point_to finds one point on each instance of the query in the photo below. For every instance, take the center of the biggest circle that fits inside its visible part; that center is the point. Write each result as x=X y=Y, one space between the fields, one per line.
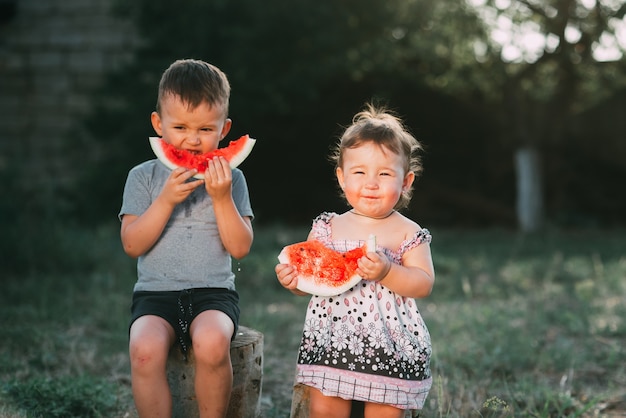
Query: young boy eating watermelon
x=368 y=343
x=183 y=232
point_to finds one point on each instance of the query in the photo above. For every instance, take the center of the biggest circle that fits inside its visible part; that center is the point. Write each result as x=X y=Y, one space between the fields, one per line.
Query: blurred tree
x=299 y=66
x=534 y=65
x=293 y=65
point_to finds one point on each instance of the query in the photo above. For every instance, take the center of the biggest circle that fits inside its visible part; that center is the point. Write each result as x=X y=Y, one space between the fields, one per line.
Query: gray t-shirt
x=189 y=253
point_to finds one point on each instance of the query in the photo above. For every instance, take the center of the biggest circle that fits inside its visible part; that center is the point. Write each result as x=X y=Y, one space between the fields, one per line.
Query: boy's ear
x=156 y=123
x=228 y=123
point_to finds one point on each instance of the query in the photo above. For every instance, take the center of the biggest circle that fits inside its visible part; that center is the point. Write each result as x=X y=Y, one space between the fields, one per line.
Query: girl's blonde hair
x=380 y=126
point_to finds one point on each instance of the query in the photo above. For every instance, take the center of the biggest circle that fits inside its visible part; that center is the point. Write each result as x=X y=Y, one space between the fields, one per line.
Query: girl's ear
x=155 y=118
x=339 y=174
x=409 y=178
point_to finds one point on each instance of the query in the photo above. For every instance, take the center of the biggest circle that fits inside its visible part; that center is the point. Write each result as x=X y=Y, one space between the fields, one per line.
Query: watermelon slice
x=172 y=157
x=323 y=271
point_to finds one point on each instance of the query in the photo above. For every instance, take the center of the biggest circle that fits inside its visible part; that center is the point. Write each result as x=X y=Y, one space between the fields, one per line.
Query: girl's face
x=197 y=130
x=372 y=179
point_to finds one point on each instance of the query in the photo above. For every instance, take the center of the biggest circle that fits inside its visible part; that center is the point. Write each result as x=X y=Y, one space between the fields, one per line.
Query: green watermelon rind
x=309 y=284
x=157 y=144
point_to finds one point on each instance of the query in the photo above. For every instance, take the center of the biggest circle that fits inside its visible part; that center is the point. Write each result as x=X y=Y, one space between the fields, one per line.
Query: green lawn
x=522 y=326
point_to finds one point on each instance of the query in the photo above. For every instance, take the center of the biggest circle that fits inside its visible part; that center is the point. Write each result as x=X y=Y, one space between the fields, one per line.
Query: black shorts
x=179 y=308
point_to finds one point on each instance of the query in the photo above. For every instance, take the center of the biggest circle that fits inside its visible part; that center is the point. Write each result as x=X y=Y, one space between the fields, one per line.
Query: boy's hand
x=218 y=178
x=177 y=187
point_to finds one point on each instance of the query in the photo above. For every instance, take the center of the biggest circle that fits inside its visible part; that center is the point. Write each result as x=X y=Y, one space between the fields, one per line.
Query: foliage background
x=300 y=70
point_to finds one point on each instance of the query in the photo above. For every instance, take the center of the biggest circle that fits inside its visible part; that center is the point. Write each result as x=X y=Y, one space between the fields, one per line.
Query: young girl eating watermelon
x=183 y=232
x=370 y=343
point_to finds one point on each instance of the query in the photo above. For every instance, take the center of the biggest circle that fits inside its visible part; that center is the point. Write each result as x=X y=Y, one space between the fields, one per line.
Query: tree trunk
x=529 y=190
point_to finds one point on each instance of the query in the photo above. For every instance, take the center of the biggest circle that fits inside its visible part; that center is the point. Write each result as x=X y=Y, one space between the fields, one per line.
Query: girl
x=370 y=343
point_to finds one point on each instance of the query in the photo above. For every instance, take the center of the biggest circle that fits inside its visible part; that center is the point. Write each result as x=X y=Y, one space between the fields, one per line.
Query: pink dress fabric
x=368 y=343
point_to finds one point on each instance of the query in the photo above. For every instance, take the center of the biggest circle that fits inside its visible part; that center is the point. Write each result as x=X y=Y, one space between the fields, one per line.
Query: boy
x=184 y=232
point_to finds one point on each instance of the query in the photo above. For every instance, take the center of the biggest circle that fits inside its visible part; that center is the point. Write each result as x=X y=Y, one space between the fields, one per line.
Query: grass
x=522 y=325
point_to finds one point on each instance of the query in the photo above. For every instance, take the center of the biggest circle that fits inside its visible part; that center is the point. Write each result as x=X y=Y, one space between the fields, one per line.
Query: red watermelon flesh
x=235 y=152
x=321 y=270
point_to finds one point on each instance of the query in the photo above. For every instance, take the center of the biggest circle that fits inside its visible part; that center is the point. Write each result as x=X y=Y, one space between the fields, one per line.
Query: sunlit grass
x=522 y=325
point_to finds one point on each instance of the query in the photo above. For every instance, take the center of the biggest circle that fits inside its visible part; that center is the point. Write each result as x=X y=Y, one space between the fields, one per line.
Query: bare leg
x=150 y=340
x=322 y=406
x=211 y=332
x=377 y=410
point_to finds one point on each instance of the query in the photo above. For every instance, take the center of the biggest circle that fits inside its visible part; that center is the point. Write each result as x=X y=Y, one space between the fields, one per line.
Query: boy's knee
x=214 y=349
x=150 y=341
x=144 y=354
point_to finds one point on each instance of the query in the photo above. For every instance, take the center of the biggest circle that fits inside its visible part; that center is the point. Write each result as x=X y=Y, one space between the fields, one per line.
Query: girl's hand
x=288 y=278
x=373 y=266
x=218 y=178
x=177 y=187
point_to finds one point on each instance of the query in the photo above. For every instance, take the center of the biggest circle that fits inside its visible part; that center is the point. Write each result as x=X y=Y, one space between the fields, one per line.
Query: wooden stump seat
x=246 y=353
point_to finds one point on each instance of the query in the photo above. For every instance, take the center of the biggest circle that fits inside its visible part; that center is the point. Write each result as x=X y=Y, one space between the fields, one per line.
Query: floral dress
x=368 y=343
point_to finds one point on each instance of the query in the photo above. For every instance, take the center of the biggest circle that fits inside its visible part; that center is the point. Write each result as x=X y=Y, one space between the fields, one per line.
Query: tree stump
x=246 y=354
x=301 y=398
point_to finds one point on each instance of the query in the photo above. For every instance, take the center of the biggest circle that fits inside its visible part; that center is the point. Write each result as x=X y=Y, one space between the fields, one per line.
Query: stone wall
x=53 y=55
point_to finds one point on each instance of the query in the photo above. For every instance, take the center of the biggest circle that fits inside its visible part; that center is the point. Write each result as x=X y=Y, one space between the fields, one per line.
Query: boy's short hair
x=195 y=81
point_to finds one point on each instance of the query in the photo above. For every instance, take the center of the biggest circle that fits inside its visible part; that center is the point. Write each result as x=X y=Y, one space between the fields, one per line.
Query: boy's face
x=197 y=130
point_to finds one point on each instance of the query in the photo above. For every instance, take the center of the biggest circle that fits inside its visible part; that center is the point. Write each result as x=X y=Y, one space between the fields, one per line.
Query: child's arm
x=414 y=278
x=139 y=233
x=235 y=231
